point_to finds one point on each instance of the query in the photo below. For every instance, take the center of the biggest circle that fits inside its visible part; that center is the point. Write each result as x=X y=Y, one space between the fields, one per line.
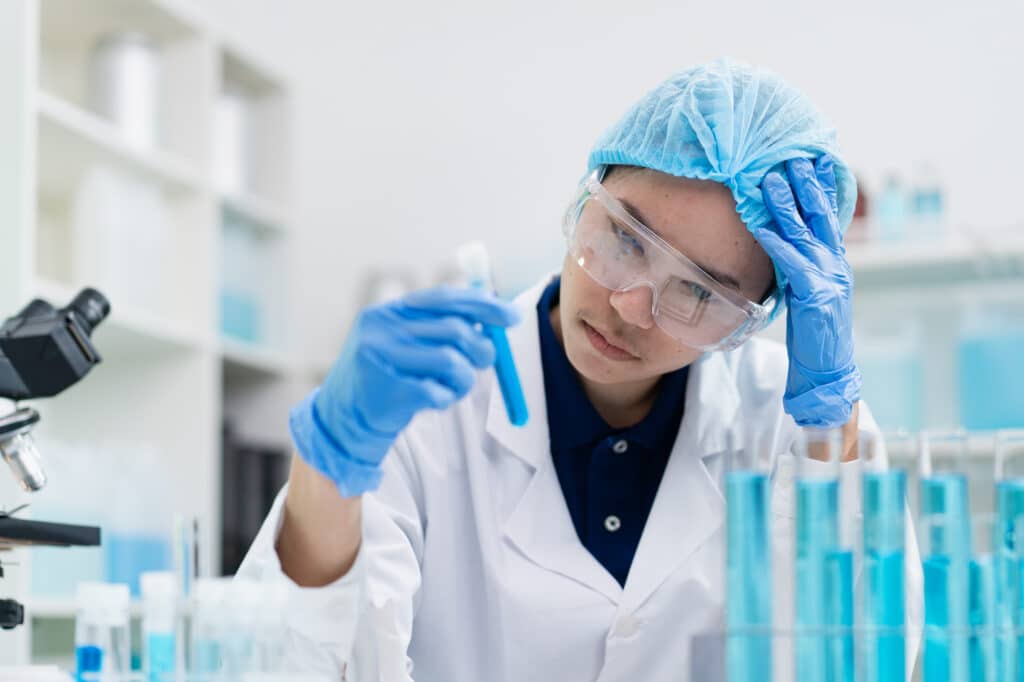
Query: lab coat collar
x=688 y=508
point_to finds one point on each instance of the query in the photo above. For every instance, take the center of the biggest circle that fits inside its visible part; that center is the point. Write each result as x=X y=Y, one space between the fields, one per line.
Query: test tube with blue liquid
x=748 y=570
x=1008 y=552
x=945 y=525
x=159 y=625
x=883 y=600
x=824 y=564
x=983 y=603
x=475 y=265
x=102 y=638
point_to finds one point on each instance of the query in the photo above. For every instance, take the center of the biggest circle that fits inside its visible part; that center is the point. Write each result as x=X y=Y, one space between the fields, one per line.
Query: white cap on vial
x=104 y=603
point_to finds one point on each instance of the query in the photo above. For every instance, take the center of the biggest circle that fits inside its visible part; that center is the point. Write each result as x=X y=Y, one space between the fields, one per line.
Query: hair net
x=731 y=123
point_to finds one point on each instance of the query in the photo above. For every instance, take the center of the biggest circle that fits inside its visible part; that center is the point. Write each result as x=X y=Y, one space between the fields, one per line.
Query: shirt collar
x=572 y=420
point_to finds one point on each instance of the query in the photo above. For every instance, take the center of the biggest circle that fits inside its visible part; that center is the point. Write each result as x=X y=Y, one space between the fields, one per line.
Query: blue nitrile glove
x=416 y=353
x=806 y=244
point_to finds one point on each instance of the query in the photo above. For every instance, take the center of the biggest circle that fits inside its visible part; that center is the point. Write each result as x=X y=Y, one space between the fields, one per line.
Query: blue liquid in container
x=817 y=539
x=1009 y=552
x=240 y=316
x=937 y=665
x=160 y=657
x=893 y=385
x=991 y=380
x=88 y=660
x=840 y=616
x=885 y=647
x=947 y=544
x=981 y=610
x=884 y=599
x=206 y=657
x=749 y=582
x=130 y=555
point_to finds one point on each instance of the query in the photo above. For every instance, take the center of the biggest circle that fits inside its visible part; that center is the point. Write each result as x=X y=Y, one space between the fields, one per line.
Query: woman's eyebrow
x=720 y=277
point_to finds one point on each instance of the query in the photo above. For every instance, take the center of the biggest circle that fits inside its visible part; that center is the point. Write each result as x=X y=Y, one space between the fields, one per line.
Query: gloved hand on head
x=805 y=242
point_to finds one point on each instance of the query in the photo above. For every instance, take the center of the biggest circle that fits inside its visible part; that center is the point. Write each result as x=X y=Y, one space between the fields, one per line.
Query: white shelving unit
x=916 y=301
x=170 y=374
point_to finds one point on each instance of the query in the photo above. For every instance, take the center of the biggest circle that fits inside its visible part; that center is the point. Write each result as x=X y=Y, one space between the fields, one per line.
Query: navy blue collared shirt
x=609 y=476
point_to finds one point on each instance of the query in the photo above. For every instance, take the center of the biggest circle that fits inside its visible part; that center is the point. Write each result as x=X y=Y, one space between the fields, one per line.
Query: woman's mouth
x=604 y=347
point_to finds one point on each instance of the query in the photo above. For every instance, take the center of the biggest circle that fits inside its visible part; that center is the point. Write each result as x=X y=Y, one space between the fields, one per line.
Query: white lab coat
x=470 y=568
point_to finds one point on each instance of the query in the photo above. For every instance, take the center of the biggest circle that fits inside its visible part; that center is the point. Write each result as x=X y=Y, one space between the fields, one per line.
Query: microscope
x=43 y=350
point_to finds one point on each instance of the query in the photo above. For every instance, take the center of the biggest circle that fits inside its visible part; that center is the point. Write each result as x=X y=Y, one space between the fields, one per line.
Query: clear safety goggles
x=621 y=253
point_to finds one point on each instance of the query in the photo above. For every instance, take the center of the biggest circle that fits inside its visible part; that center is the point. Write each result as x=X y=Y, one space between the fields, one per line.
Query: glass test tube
x=824 y=566
x=748 y=571
x=982 y=604
x=946 y=554
x=1008 y=551
x=883 y=605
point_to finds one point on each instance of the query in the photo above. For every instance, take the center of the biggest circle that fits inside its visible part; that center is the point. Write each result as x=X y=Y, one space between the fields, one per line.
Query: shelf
x=263 y=214
x=980 y=445
x=67 y=20
x=243 y=69
x=241 y=358
x=58 y=608
x=943 y=263
x=72 y=139
x=127 y=330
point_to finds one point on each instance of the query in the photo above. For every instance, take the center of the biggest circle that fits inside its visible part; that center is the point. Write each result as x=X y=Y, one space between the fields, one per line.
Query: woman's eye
x=627 y=240
x=695 y=290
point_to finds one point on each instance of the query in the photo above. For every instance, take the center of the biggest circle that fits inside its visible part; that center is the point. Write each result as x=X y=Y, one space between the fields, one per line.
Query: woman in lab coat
x=428 y=538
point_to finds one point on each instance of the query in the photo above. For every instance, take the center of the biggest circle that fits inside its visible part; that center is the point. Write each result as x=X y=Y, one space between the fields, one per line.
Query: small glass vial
x=102 y=640
x=159 y=625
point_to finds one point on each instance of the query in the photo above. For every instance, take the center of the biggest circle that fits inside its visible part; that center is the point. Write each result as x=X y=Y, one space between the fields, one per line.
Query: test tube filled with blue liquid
x=1008 y=553
x=476 y=267
x=748 y=574
x=824 y=565
x=946 y=556
x=982 y=606
x=883 y=607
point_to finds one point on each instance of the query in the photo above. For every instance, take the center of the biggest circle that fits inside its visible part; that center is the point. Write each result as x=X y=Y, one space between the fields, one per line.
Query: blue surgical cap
x=731 y=123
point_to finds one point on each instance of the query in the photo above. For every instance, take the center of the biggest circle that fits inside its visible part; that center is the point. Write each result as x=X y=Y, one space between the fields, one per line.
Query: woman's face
x=611 y=337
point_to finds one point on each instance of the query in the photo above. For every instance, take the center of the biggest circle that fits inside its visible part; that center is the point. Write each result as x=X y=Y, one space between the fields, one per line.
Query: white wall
x=423 y=124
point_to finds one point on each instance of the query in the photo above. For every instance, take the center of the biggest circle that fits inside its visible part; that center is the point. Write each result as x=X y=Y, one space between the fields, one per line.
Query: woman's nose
x=634 y=306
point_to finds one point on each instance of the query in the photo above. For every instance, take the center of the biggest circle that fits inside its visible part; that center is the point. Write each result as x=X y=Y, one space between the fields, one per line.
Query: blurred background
x=240 y=176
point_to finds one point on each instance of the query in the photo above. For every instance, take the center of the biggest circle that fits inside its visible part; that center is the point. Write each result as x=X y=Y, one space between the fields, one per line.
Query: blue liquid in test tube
x=1008 y=548
x=825 y=593
x=89 y=662
x=946 y=566
x=160 y=657
x=981 y=612
x=884 y=602
x=840 y=594
x=476 y=266
x=749 y=588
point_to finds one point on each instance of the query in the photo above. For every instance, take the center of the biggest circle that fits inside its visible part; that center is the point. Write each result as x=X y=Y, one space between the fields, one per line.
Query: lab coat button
x=612 y=523
x=620 y=447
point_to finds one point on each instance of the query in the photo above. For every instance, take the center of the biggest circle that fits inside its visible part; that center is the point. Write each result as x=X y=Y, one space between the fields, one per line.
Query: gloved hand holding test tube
x=476 y=266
